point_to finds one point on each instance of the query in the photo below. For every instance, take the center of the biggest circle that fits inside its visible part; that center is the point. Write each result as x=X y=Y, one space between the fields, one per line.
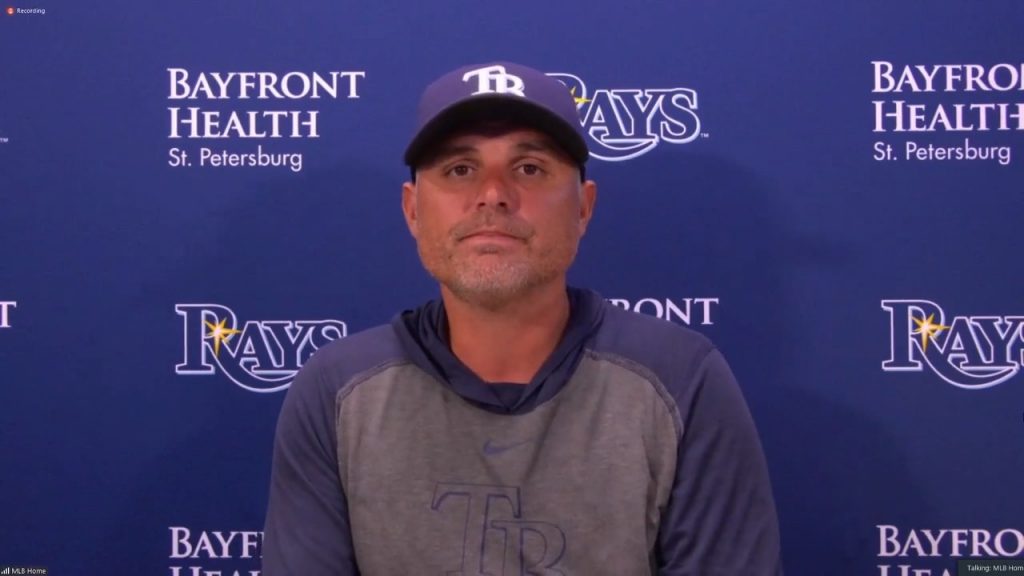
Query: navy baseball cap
x=502 y=92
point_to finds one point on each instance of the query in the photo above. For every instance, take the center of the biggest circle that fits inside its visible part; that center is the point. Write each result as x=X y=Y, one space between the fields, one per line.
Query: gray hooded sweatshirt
x=631 y=453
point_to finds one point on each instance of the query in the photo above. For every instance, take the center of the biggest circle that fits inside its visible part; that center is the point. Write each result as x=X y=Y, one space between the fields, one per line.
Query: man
x=516 y=426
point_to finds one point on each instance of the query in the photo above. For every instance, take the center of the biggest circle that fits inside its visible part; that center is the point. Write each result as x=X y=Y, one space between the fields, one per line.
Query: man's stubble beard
x=492 y=277
x=494 y=280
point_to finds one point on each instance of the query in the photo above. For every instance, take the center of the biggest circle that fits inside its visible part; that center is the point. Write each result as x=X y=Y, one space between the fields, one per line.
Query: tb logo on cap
x=494 y=79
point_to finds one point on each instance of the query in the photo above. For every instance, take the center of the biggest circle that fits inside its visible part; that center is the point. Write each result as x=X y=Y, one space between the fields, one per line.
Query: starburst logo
x=218 y=333
x=928 y=329
x=259 y=355
x=579 y=100
x=971 y=352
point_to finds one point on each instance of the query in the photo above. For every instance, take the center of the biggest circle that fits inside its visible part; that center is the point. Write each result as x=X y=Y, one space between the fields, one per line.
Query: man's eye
x=459 y=170
x=530 y=169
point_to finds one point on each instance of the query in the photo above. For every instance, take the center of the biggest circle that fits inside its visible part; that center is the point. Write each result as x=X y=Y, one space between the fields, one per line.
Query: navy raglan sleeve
x=721 y=518
x=307 y=528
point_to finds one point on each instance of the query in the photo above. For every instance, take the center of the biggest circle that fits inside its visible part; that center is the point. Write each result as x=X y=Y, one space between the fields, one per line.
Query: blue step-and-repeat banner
x=195 y=196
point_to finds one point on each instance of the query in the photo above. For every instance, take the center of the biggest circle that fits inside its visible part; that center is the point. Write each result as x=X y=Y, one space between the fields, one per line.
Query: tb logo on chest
x=530 y=546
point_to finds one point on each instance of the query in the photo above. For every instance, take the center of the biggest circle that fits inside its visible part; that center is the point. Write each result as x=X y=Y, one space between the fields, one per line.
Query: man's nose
x=496 y=191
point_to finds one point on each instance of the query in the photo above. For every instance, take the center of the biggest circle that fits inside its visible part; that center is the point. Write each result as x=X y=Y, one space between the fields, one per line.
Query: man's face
x=497 y=214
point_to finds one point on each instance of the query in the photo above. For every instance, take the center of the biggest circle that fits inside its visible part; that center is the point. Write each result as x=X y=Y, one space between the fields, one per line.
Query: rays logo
x=624 y=123
x=971 y=352
x=261 y=356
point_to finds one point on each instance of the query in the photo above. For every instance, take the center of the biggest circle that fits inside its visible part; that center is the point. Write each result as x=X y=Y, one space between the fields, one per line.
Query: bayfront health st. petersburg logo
x=197 y=552
x=685 y=311
x=625 y=123
x=970 y=352
x=259 y=355
x=947 y=112
x=230 y=112
x=5 y=312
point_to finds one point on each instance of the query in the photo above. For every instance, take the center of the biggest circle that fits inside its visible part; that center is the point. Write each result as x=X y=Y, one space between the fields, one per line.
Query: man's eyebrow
x=442 y=153
x=446 y=151
x=536 y=146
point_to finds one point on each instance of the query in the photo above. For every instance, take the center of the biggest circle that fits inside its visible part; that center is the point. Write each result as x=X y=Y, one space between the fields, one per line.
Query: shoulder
x=360 y=351
x=348 y=359
x=682 y=366
x=663 y=349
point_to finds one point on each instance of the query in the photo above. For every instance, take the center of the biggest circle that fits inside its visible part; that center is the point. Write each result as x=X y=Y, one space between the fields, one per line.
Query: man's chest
x=434 y=482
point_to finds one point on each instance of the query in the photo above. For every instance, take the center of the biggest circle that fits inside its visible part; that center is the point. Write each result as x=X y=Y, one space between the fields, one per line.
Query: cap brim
x=494 y=108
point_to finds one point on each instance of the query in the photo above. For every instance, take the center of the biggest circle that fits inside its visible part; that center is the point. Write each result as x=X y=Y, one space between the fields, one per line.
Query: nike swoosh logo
x=491 y=449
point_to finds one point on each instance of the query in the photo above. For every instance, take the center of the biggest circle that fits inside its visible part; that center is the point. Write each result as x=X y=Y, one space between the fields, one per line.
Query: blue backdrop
x=832 y=193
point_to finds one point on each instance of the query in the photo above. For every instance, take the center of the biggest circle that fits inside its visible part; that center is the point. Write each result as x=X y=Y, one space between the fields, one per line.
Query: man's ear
x=588 y=197
x=409 y=207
